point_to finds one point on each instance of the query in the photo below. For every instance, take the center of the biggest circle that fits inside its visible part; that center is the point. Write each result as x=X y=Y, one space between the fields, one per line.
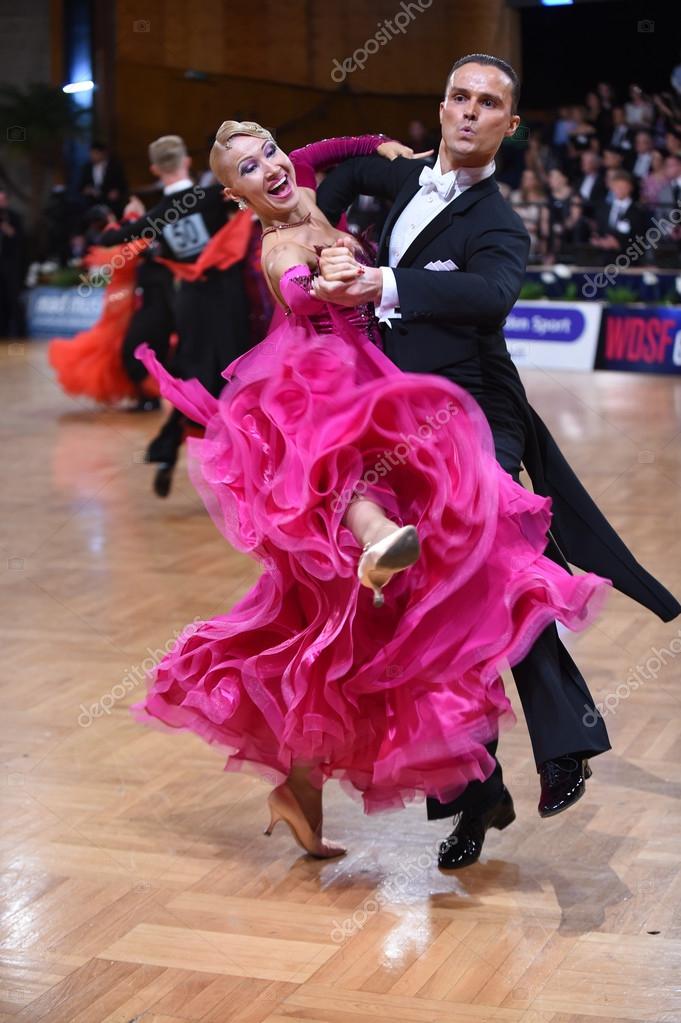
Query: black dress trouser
x=213 y=329
x=151 y=324
x=559 y=709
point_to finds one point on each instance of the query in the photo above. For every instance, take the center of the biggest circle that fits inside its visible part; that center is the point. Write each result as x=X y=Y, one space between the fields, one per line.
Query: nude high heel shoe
x=285 y=807
x=380 y=561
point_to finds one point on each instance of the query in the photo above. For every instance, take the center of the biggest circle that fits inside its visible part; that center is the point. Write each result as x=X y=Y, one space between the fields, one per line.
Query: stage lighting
x=78 y=87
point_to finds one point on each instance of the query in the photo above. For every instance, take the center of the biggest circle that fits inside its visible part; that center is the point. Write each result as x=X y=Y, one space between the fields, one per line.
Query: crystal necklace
x=295 y=223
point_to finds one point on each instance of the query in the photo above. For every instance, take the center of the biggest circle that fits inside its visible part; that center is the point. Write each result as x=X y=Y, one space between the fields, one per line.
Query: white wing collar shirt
x=437 y=191
x=178 y=186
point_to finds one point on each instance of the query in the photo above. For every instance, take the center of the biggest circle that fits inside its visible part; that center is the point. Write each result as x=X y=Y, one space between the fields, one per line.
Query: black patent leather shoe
x=563 y=782
x=465 y=843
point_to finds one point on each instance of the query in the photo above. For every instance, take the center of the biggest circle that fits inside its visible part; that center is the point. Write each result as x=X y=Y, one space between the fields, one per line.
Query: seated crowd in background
x=598 y=177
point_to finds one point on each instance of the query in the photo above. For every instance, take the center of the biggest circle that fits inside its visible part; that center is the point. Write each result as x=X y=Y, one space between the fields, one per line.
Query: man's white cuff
x=388 y=308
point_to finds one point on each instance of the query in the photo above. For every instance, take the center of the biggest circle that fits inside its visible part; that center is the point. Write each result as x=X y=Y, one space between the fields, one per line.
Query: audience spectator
x=538 y=158
x=613 y=159
x=620 y=136
x=583 y=131
x=577 y=229
x=619 y=220
x=420 y=138
x=528 y=201
x=592 y=108
x=656 y=180
x=556 y=211
x=639 y=110
x=672 y=143
x=642 y=156
x=12 y=267
x=670 y=193
x=563 y=127
x=103 y=179
x=606 y=95
x=668 y=111
x=599 y=116
x=591 y=183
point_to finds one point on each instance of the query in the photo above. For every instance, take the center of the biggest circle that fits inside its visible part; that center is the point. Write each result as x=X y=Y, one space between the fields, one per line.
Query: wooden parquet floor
x=137 y=885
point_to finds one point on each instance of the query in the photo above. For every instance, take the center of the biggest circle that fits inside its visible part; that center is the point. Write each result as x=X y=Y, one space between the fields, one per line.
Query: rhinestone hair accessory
x=228 y=129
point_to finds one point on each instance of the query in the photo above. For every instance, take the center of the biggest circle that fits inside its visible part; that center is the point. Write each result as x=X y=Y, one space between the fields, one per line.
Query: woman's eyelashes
x=250 y=166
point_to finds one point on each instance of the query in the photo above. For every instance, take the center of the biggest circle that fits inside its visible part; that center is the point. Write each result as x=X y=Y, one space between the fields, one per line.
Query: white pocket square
x=439 y=265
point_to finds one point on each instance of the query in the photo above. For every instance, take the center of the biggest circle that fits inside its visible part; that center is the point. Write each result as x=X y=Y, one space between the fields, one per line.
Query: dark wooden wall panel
x=272 y=61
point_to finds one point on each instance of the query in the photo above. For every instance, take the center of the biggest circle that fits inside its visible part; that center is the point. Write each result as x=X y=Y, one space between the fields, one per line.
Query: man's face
x=621 y=188
x=672 y=167
x=417 y=130
x=475 y=116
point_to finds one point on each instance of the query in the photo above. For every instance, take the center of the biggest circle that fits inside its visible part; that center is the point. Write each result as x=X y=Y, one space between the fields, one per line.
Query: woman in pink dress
x=339 y=474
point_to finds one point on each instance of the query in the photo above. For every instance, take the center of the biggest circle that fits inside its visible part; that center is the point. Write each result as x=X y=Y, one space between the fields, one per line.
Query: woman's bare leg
x=367 y=521
x=307 y=794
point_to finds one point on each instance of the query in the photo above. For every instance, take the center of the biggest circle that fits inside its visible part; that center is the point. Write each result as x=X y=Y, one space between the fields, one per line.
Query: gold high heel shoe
x=380 y=561
x=285 y=807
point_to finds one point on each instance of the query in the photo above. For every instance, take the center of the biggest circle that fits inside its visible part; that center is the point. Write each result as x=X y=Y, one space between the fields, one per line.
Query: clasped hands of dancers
x=347 y=454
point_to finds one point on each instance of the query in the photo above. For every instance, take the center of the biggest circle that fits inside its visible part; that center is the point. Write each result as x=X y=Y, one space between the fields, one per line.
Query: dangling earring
x=242 y=204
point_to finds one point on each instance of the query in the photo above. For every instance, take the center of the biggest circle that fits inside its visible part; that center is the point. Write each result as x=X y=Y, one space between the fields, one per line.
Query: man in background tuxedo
x=591 y=184
x=452 y=260
x=642 y=157
x=621 y=219
x=210 y=313
x=620 y=138
x=103 y=179
x=670 y=195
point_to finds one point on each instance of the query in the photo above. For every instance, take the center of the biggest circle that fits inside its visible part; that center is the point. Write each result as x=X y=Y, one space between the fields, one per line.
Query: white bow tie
x=443 y=184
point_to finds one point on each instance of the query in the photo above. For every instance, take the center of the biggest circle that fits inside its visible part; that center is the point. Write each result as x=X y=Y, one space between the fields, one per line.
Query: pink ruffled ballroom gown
x=397 y=702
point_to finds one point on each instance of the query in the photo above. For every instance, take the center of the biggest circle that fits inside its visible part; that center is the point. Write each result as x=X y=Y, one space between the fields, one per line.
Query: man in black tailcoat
x=451 y=263
x=211 y=313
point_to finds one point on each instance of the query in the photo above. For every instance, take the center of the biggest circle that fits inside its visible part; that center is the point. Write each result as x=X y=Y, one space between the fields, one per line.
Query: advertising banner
x=61 y=312
x=641 y=339
x=554 y=335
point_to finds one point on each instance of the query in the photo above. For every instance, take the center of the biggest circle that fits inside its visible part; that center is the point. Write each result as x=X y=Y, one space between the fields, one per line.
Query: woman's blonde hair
x=224 y=135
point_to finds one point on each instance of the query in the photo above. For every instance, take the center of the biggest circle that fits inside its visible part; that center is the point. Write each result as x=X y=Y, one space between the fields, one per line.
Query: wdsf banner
x=642 y=340
x=553 y=335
